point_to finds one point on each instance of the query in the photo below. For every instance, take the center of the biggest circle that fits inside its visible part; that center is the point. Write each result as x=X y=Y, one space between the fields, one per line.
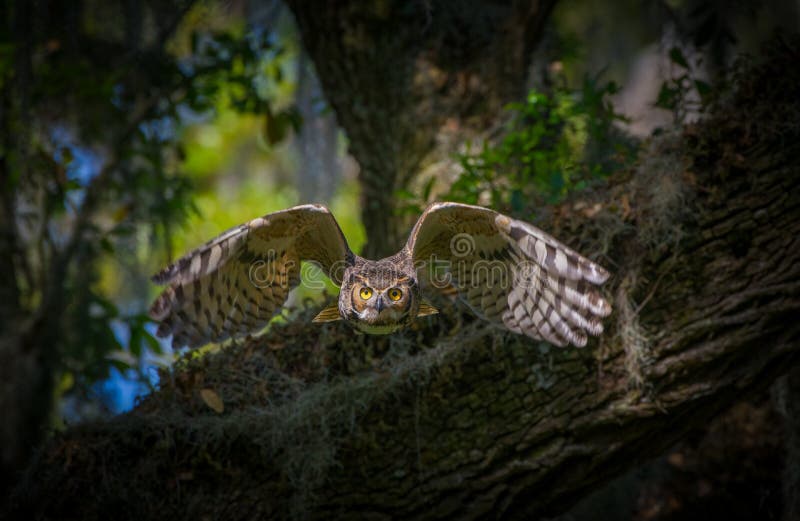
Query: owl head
x=379 y=300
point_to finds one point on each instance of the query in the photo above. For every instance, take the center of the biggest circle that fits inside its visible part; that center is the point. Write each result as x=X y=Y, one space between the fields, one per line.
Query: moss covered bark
x=455 y=421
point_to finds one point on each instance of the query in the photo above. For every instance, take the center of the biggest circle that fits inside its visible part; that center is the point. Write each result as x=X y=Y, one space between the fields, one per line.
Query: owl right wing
x=510 y=272
x=235 y=283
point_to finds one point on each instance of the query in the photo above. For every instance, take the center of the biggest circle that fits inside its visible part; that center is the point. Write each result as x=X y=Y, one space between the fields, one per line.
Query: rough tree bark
x=704 y=241
x=395 y=72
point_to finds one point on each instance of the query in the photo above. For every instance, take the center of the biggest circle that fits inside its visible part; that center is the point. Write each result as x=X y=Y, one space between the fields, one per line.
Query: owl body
x=508 y=272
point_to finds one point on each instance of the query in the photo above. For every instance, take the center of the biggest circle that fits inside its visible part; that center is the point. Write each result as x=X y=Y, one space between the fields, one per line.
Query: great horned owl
x=507 y=271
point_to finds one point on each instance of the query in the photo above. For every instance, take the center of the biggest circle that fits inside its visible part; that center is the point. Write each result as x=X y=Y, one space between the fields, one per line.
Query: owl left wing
x=510 y=272
x=235 y=283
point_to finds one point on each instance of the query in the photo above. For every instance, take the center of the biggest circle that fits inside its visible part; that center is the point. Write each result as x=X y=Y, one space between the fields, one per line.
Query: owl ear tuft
x=426 y=309
x=328 y=314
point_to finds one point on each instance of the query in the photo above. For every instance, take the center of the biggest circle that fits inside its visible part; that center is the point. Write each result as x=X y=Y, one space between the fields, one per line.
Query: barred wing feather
x=235 y=283
x=511 y=273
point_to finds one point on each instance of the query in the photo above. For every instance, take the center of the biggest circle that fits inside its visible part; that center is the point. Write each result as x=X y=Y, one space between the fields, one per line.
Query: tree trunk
x=395 y=71
x=25 y=369
x=704 y=241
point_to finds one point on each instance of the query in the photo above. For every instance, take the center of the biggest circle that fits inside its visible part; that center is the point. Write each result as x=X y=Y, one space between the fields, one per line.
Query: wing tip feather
x=599 y=306
x=165 y=275
x=596 y=274
x=581 y=339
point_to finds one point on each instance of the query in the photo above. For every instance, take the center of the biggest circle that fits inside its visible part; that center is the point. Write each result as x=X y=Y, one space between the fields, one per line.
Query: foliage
x=93 y=165
x=251 y=66
x=552 y=144
x=683 y=93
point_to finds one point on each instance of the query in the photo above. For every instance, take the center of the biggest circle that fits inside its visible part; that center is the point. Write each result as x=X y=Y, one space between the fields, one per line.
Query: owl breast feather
x=375 y=329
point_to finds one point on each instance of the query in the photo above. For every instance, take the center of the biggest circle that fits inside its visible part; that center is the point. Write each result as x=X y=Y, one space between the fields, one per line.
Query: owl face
x=380 y=305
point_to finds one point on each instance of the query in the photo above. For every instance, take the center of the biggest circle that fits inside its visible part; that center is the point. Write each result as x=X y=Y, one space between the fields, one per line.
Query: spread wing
x=510 y=272
x=233 y=284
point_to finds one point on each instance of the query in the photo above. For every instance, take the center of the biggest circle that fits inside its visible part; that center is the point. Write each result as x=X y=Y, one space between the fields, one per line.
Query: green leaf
x=677 y=57
x=152 y=343
x=276 y=127
x=106 y=245
x=517 y=201
x=426 y=191
x=135 y=343
x=667 y=97
x=404 y=194
x=703 y=88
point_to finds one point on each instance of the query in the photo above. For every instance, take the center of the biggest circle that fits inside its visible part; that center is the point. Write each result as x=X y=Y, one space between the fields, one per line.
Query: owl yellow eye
x=365 y=293
x=395 y=294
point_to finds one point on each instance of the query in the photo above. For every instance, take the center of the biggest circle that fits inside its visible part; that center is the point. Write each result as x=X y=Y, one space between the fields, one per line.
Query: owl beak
x=380 y=305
